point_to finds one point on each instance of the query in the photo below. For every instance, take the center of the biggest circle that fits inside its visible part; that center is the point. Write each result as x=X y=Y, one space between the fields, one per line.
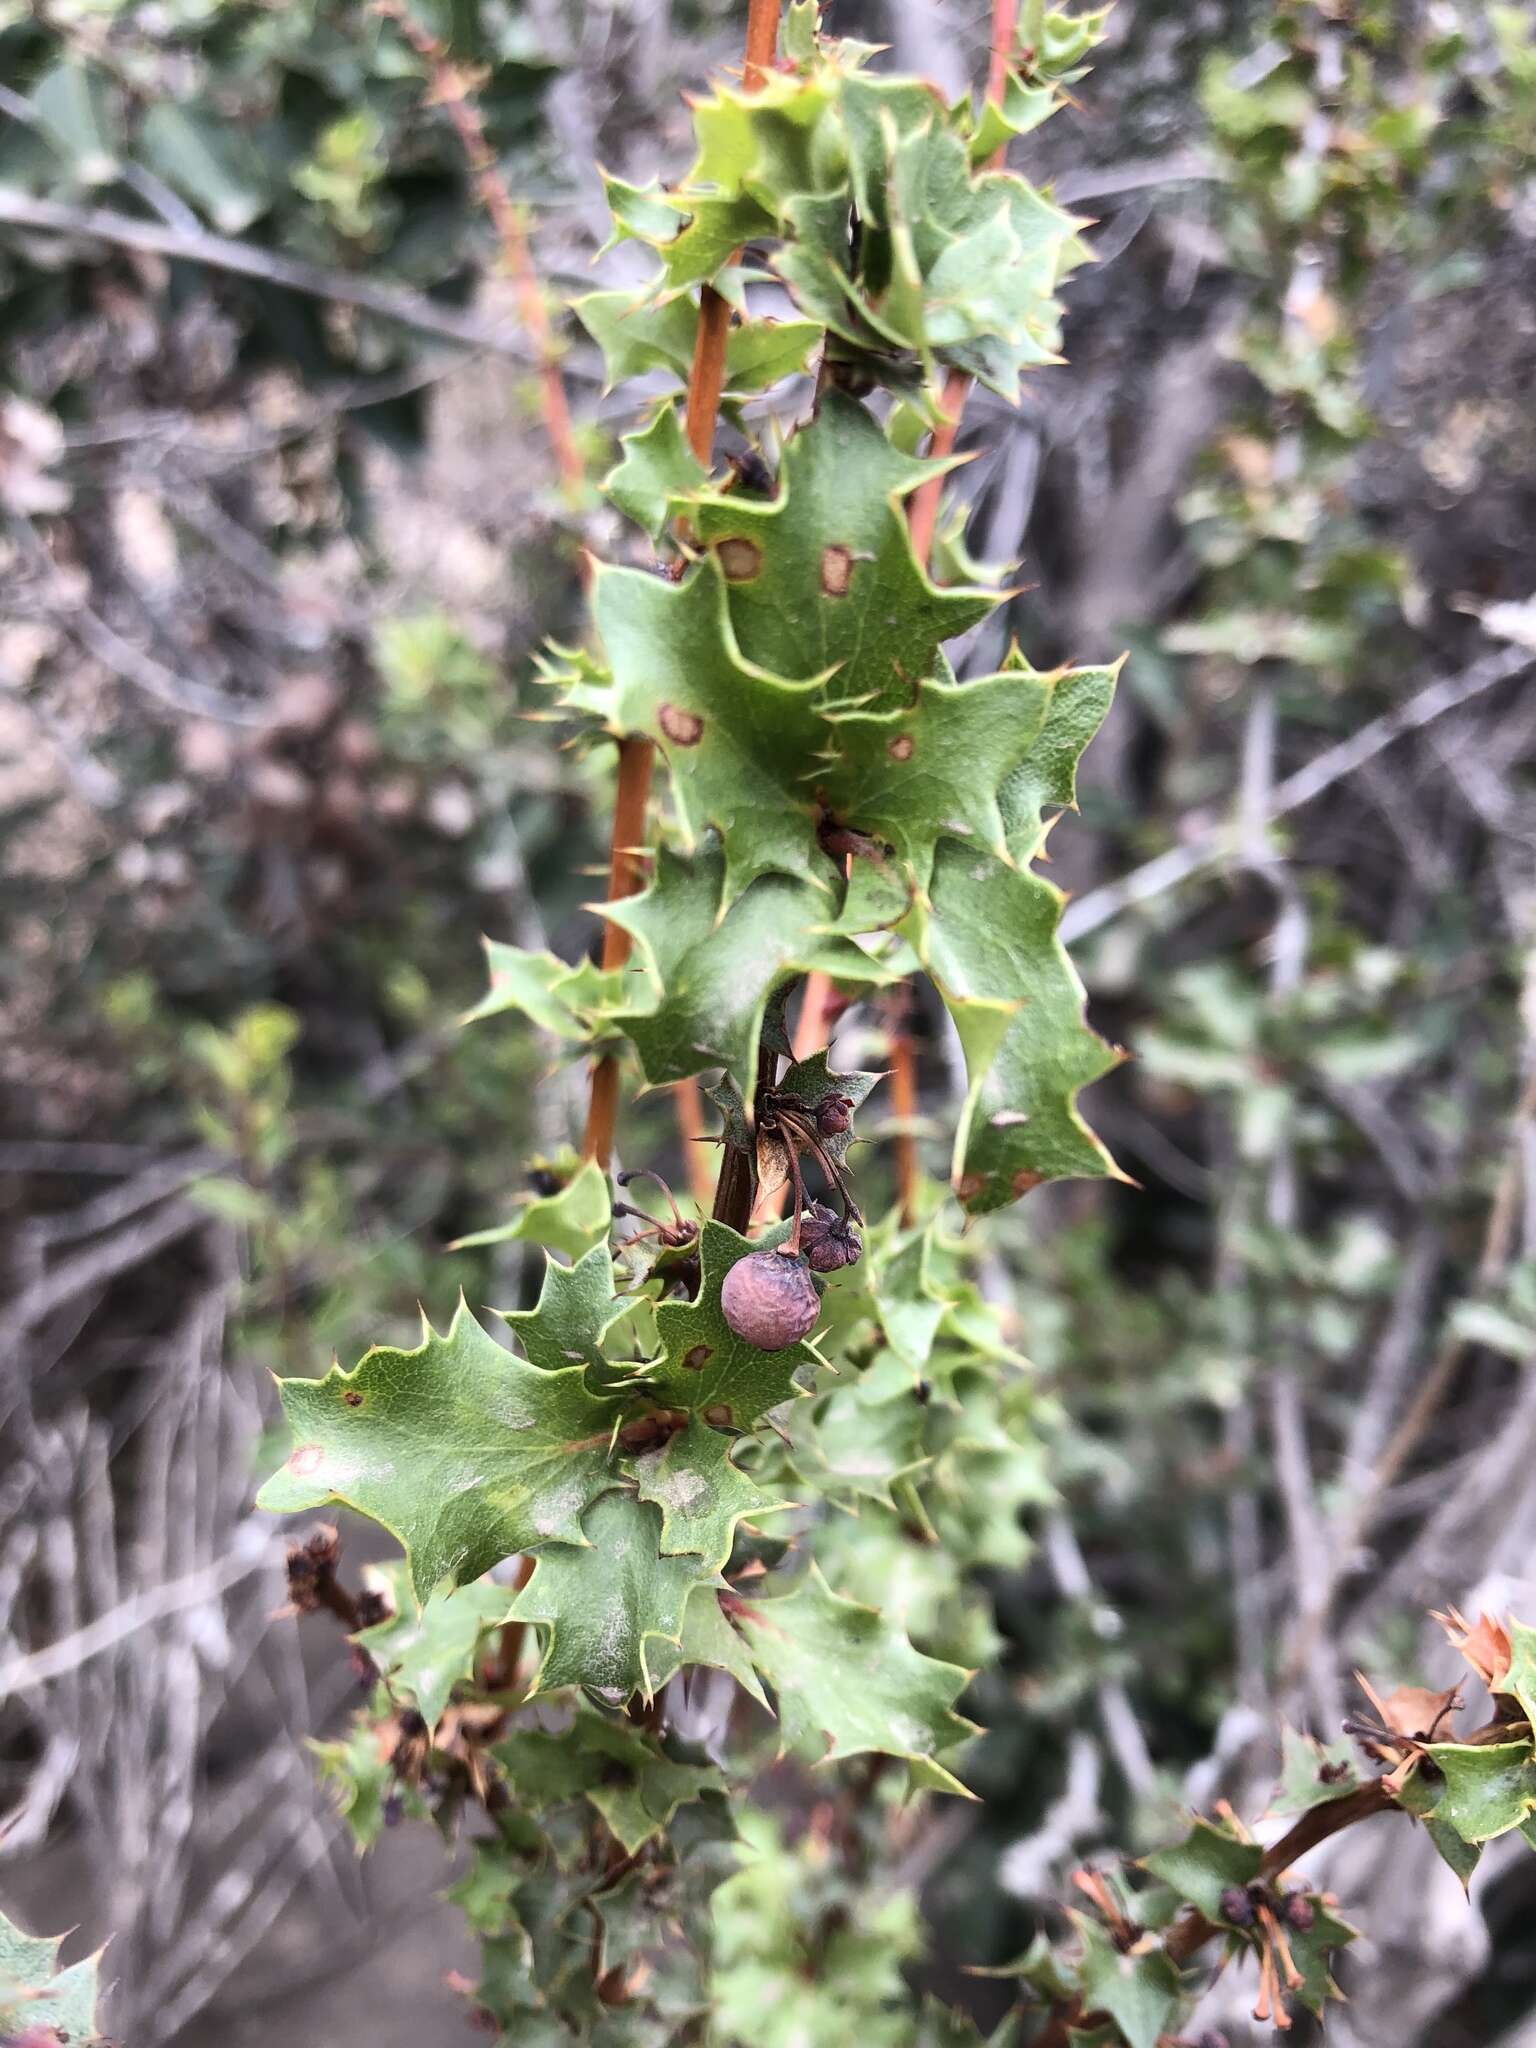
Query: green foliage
x=604 y=1605
x=953 y=265
x=846 y=1682
x=800 y=1535
x=39 y=2002
x=794 y=1964
x=463 y=1451
x=425 y=1647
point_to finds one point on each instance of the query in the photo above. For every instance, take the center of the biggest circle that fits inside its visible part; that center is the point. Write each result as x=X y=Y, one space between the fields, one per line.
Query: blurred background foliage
x=275 y=567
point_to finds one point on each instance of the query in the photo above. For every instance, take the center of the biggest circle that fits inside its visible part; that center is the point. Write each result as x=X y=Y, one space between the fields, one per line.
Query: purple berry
x=770 y=1300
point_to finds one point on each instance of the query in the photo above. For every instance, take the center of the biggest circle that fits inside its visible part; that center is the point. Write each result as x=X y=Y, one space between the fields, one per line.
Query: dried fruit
x=1237 y=1906
x=834 y=1115
x=770 y=1300
x=1299 y=1912
x=829 y=1241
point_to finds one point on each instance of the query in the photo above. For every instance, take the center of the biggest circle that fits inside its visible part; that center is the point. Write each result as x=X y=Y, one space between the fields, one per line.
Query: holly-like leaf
x=427 y=1647
x=1518 y=1679
x=737 y=738
x=708 y=965
x=604 y=1606
x=954 y=263
x=568 y=1002
x=835 y=586
x=463 y=1451
x=701 y=1494
x=638 y=335
x=1079 y=701
x=624 y=1774
x=859 y=1442
x=573 y=1221
x=846 y=1681
x=40 y=2002
x=1140 y=1992
x=766 y=758
x=658 y=466
x=1489 y=1789
x=705 y=1367
x=1312 y=1772
x=1460 y=1858
x=1312 y=1951
x=640 y=1807
x=709 y=1639
x=1206 y=1863
x=357 y=1770
x=988 y=936
x=577 y=1306
x=640 y=212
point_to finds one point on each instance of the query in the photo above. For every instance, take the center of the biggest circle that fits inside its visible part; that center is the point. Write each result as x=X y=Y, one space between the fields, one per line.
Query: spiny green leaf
x=641 y=1807
x=1489 y=1788
x=1461 y=1858
x=708 y=963
x=640 y=212
x=573 y=1221
x=36 y=1995
x=1206 y=1863
x=1520 y=1682
x=736 y=738
x=988 y=936
x=463 y=1451
x=838 y=586
x=765 y=758
x=658 y=466
x=1312 y=1951
x=426 y=1648
x=577 y=1306
x=638 y=335
x=1078 y=705
x=708 y=1639
x=858 y=1443
x=846 y=1682
x=705 y=1367
x=624 y=1774
x=358 y=1772
x=566 y=1001
x=1139 y=1992
x=1311 y=1772
x=702 y=1496
x=602 y=1606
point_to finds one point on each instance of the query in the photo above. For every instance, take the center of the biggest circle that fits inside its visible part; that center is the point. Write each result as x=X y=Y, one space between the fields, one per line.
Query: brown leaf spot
x=836 y=569
x=1024 y=1180
x=740 y=558
x=719 y=1414
x=307 y=1458
x=683 y=728
x=698 y=1356
x=969 y=1185
x=901 y=748
x=353 y=1398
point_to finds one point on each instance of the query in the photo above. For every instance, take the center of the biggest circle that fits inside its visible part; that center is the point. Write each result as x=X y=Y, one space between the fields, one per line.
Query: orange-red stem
x=627 y=861
x=904 y=1108
x=452 y=87
x=627 y=869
